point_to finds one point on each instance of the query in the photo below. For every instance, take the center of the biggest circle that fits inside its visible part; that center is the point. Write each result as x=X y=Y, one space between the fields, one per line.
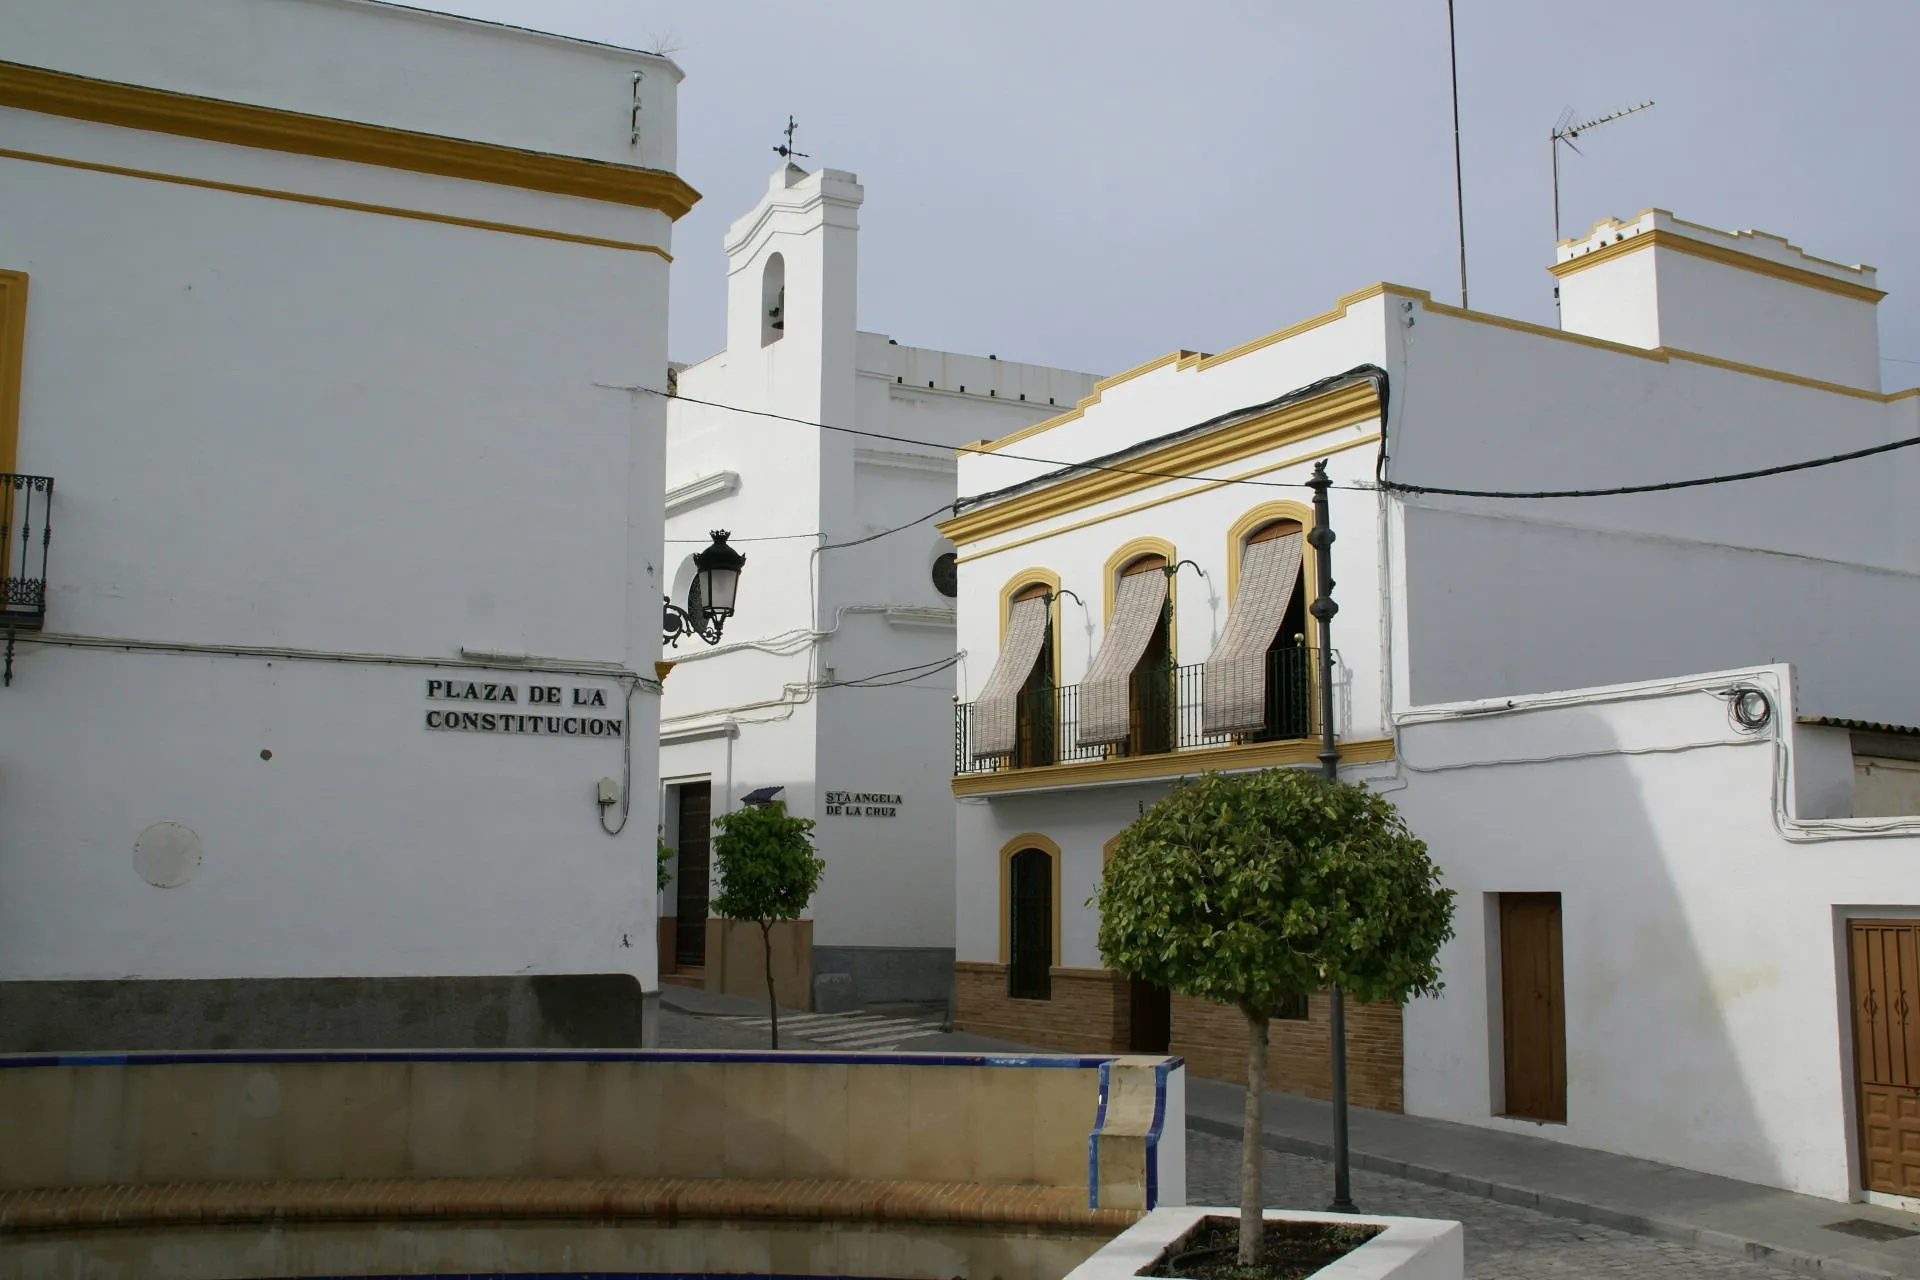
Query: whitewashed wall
x=1523 y=596
x=813 y=612
x=1706 y=994
x=278 y=424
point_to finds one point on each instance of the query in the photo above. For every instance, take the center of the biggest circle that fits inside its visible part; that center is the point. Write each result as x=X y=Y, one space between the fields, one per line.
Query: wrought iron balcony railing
x=24 y=534
x=1165 y=715
x=25 y=505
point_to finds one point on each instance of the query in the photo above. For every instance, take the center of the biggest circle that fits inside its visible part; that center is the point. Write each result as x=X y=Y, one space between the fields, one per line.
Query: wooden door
x=1885 y=961
x=1149 y=1017
x=1533 y=1006
x=695 y=851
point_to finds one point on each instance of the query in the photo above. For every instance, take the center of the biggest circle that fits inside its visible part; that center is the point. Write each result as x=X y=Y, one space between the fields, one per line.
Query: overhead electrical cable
x=1731 y=477
x=1094 y=464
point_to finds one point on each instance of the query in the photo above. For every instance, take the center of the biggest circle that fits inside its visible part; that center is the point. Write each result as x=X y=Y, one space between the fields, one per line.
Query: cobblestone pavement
x=1504 y=1242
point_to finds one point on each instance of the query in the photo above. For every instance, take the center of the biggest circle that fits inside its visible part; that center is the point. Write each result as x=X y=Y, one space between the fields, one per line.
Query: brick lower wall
x=1213 y=1039
x=1087 y=1014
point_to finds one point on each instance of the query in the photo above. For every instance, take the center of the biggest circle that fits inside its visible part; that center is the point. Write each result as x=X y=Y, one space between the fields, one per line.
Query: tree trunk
x=773 y=1005
x=1252 y=1228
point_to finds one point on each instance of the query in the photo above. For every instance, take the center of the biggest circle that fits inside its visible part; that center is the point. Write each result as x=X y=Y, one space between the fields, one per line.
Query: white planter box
x=1409 y=1248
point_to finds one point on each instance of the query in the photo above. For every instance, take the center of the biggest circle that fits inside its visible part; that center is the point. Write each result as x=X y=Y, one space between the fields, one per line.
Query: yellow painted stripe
x=131 y=106
x=356 y=206
x=1174 y=764
x=1659 y=239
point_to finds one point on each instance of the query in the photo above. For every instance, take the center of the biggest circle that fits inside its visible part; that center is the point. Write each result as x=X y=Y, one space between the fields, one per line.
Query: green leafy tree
x=768 y=873
x=662 y=872
x=1259 y=889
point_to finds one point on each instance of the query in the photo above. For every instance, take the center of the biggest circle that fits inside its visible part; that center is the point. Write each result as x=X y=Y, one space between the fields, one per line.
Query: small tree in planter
x=768 y=873
x=1259 y=889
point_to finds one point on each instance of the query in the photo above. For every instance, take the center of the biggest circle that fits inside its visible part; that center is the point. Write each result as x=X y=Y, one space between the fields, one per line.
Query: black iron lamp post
x=716 y=583
x=1323 y=609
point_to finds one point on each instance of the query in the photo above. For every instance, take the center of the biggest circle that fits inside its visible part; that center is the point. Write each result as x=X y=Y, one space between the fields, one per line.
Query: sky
x=1090 y=185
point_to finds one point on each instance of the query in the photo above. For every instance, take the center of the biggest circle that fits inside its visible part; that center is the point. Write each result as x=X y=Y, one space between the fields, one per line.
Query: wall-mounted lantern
x=716 y=583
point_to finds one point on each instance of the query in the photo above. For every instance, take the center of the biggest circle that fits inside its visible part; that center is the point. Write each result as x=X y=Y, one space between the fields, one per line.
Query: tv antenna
x=1565 y=132
x=785 y=151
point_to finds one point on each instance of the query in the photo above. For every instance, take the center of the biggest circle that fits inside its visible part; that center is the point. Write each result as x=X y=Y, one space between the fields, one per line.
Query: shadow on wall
x=1615 y=973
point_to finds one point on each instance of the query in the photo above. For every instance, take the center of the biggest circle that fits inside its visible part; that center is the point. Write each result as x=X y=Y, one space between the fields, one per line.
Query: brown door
x=1533 y=1006
x=696 y=843
x=1885 y=958
x=1149 y=1017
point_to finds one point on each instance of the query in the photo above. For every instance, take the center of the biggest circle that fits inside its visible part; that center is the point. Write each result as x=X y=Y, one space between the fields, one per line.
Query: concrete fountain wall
x=228 y=1166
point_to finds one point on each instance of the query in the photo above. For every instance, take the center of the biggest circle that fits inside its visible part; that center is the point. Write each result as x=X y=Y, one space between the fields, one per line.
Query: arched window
x=1035 y=715
x=1289 y=682
x=773 y=300
x=1030 y=924
x=1258 y=682
x=1150 y=698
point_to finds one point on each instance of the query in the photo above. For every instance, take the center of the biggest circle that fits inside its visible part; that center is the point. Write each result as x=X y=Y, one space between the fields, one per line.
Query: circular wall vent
x=946 y=575
x=166 y=855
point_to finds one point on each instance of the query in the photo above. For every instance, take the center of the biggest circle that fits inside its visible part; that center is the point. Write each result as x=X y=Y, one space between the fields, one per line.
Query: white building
x=834 y=682
x=311 y=310
x=1660 y=943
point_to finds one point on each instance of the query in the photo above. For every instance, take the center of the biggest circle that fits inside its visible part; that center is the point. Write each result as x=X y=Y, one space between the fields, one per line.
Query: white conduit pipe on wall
x=1721 y=685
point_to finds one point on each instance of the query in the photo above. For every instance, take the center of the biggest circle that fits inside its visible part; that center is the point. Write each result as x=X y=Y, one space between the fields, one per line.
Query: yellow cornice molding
x=1176 y=764
x=328 y=202
x=1183 y=360
x=1751 y=233
x=1324 y=451
x=1329 y=411
x=129 y=106
x=1659 y=238
x=1659 y=355
x=1081 y=406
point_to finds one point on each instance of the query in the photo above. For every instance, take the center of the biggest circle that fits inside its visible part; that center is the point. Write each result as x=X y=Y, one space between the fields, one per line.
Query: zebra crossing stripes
x=848 y=1030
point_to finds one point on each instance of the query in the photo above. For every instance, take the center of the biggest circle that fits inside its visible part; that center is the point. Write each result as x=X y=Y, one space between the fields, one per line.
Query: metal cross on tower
x=786 y=151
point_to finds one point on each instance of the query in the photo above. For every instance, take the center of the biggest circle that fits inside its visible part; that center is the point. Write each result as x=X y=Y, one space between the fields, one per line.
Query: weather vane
x=786 y=151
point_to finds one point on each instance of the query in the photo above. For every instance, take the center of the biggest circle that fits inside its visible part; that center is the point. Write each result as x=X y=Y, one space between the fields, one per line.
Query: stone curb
x=1560 y=1206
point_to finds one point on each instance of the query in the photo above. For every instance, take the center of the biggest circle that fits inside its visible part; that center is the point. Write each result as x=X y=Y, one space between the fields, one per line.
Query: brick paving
x=1504 y=1242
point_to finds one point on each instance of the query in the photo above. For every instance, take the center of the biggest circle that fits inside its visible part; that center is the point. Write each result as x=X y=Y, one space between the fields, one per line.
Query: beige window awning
x=1137 y=606
x=996 y=710
x=1234 y=693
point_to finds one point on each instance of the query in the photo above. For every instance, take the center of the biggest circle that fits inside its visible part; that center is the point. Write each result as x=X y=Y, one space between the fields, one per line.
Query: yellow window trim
x=1020 y=582
x=13 y=340
x=1330 y=411
x=1251 y=523
x=1031 y=840
x=184 y=115
x=297 y=197
x=1175 y=764
x=1663 y=239
x=1125 y=555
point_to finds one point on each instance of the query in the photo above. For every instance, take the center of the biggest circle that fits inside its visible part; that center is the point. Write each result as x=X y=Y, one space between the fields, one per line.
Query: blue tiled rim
x=165 y=1057
x=1160 y=1072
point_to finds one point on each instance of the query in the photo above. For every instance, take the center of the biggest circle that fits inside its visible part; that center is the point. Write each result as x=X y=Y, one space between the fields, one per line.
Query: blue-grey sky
x=1092 y=184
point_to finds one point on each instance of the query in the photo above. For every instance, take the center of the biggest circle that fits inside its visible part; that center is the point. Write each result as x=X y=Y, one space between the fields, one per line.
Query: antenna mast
x=1459 y=195
x=1566 y=131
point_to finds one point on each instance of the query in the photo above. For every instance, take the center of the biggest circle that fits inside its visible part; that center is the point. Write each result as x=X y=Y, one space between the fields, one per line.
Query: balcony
x=1165 y=738
x=25 y=503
